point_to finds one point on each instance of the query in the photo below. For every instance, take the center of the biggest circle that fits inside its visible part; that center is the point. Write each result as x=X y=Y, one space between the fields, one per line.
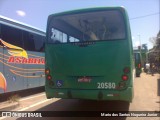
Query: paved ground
x=145 y=99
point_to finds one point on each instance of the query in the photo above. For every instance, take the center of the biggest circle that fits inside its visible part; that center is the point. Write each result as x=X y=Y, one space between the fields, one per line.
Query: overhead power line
x=144 y=16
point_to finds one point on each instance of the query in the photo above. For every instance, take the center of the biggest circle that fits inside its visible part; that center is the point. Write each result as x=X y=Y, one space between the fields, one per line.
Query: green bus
x=138 y=63
x=89 y=55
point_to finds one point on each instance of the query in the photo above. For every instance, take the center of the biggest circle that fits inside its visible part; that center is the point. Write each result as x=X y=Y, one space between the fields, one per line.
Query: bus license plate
x=106 y=85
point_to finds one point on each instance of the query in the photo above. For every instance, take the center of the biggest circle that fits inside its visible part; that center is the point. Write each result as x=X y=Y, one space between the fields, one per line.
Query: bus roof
x=20 y=25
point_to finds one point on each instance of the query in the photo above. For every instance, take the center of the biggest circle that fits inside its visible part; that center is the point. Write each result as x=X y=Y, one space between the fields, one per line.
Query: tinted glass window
x=58 y=36
x=28 y=39
x=39 y=43
x=88 y=26
x=0 y=32
x=0 y=36
x=12 y=35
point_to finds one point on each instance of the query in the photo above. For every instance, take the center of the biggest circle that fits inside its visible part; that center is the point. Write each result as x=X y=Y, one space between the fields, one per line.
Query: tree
x=158 y=41
x=157 y=50
x=153 y=40
x=154 y=54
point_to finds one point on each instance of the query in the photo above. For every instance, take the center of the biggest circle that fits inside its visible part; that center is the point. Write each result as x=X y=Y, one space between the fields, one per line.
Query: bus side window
x=55 y=36
x=72 y=39
x=12 y=35
x=58 y=36
x=28 y=41
x=39 y=43
x=64 y=38
x=0 y=36
x=0 y=33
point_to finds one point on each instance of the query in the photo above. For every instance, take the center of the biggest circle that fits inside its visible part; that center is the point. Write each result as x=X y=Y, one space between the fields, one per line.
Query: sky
x=144 y=15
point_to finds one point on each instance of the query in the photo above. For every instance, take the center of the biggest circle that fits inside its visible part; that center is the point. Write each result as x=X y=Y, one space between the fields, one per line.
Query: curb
x=6 y=106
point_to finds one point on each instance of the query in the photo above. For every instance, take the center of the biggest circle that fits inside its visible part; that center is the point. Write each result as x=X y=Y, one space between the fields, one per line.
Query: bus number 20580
x=106 y=85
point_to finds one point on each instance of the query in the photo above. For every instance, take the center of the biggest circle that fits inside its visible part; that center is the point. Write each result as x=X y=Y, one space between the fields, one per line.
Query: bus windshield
x=91 y=26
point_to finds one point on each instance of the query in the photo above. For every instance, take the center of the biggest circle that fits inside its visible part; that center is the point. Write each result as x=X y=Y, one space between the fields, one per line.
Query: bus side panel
x=35 y=74
x=42 y=74
x=14 y=82
x=2 y=77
